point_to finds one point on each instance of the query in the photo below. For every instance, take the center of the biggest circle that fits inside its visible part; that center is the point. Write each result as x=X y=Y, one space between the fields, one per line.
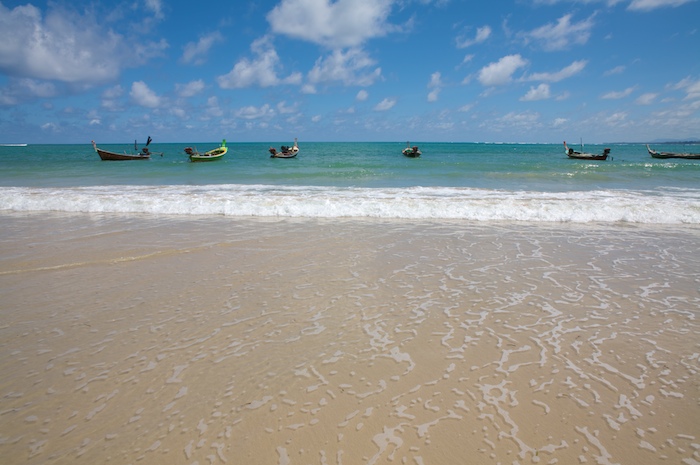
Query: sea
x=481 y=182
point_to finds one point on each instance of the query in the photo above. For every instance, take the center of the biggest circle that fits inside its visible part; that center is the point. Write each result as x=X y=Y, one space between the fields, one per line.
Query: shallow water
x=212 y=340
x=475 y=182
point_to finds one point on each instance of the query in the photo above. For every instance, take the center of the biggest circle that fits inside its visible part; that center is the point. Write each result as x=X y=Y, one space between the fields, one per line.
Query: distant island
x=672 y=141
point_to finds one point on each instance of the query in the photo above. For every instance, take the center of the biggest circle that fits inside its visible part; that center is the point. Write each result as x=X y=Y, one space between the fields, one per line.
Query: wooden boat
x=211 y=155
x=411 y=152
x=143 y=154
x=688 y=156
x=285 y=151
x=571 y=153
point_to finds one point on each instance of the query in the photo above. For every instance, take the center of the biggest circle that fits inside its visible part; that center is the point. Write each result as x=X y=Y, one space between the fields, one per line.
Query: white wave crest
x=675 y=206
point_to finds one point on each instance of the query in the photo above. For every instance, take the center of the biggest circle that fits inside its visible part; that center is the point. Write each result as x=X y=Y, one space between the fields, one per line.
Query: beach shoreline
x=164 y=339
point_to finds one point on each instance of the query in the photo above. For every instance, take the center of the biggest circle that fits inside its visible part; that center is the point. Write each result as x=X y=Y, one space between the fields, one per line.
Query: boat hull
x=687 y=156
x=411 y=154
x=284 y=155
x=211 y=155
x=585 y=156
x=286 y=152
x=571 y=153
x=665 y=155
x=113 y=156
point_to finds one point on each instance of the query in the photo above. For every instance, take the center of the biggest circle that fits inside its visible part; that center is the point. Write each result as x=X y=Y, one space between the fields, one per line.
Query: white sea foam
x=673 y=206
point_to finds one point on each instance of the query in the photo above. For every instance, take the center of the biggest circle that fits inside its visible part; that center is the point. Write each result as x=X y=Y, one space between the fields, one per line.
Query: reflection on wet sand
x=346 y=342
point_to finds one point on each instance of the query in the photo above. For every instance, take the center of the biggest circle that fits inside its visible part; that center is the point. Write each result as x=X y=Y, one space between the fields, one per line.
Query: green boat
x=211 y=155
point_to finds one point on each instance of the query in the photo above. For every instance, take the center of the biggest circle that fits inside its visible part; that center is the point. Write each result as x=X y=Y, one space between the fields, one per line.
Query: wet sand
x=218 y=340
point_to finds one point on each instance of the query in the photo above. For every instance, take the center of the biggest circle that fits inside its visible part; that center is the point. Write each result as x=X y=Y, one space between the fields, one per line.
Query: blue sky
x=349 y=70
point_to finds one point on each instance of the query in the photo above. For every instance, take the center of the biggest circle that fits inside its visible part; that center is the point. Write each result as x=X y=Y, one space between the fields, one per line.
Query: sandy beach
x=212 y=340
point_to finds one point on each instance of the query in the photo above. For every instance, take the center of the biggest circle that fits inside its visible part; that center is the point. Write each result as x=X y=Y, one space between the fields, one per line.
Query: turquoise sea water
x=486 y=182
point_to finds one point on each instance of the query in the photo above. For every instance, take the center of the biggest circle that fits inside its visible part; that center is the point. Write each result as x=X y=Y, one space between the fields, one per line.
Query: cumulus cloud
x=501 y=72
x=386 y=104
x=482 y=34
x=260 y=71
x=561 y=34
x=351 y=67
x=334 y=24
x=362 y=95
x=571 y=70
x=142 y=95
x=190 y=89
x=540 y=92
x=196 y=52
x=65 y=46
x=252 y=112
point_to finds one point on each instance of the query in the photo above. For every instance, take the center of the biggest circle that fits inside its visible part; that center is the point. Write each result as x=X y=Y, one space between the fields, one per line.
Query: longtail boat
x=285 y=151
x=571 y=153
x=688 y=156
x=210 y=155
x=143 y=154
x=411 y=152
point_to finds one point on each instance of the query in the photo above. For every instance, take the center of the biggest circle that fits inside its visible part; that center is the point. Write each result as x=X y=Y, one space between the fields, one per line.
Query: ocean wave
x=671 y=206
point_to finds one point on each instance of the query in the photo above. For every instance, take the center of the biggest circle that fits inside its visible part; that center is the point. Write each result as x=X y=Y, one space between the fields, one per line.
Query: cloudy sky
x=349 y=70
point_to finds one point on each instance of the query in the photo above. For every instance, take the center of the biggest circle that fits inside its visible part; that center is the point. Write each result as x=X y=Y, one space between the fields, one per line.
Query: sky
x=531 y=71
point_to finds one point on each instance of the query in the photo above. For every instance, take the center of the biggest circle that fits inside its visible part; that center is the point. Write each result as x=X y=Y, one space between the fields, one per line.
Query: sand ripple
x=282 y=342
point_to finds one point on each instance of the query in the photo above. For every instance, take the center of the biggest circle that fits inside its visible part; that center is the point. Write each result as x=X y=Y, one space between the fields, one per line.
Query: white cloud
x=362 y=95
x=196 y=52
x=646 y=99
x=433 y=95
x=501 y=71
x=482 y=34
x=252 y=112
x=65 y=46
x=340 y=23
x=522 y=122
x=436 y=85
x=213 y=108
x=352 y=67
x=571 y=70
x=691 y=88
x=562 y=34
x=283 y=108
x=261 y=71
x=616 y=70
x=156 y=6
x=113 y=92
x=616 y=119
x=38 y=88
x=618 y=95
x=559 y=122
x=648 y=5
x=142 y=95
x=386 y=104
x=540 y=92
x=190 y=89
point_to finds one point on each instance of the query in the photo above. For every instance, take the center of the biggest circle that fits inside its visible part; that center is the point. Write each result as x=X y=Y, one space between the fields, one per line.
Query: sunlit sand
x=218 y=340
